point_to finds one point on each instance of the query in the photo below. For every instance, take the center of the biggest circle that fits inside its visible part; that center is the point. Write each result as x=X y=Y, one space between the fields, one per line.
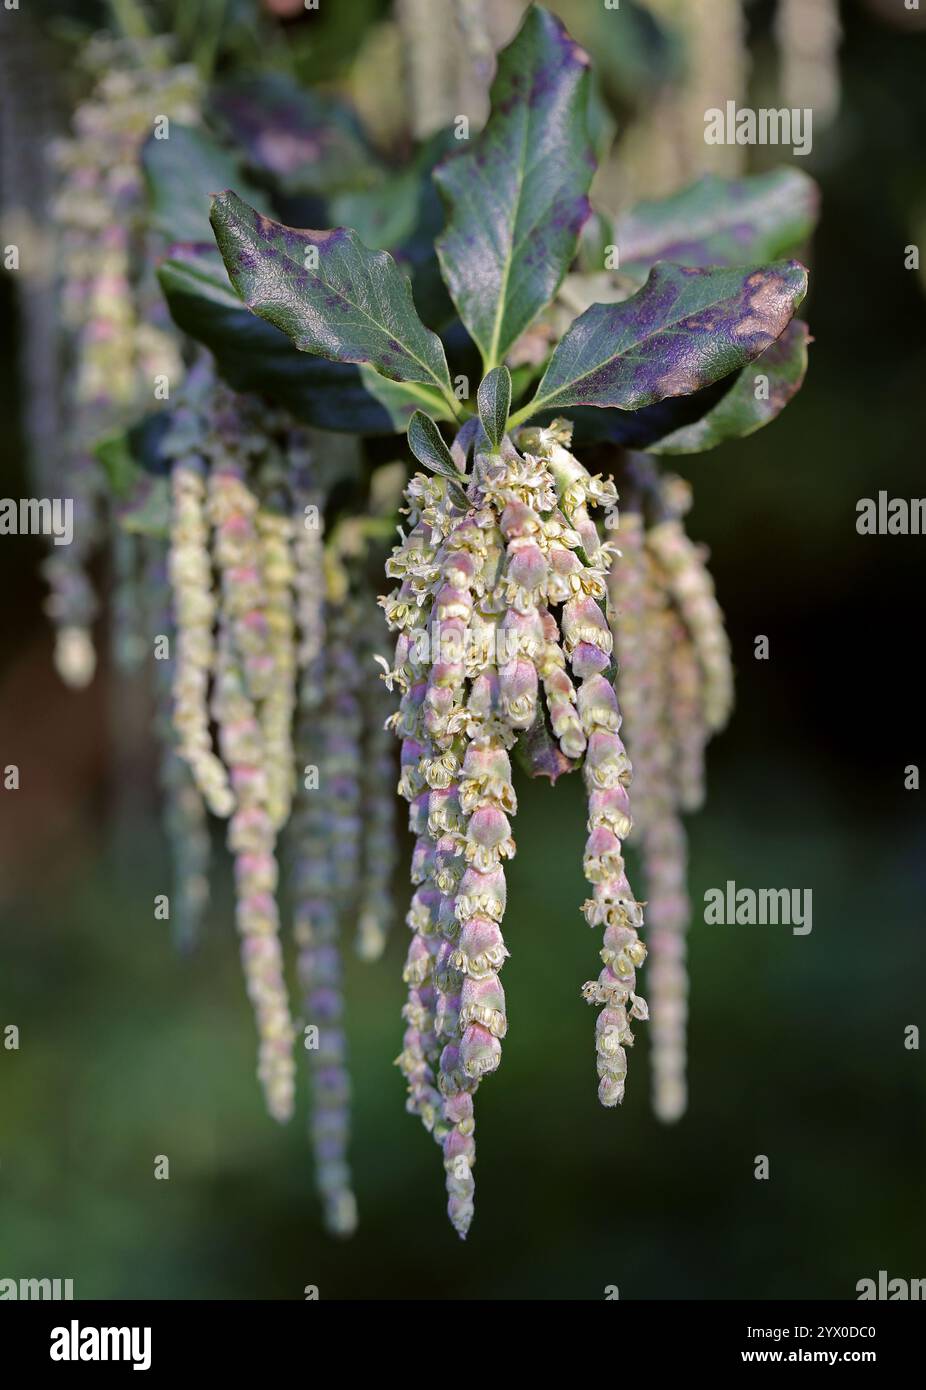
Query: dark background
x=797 y=1043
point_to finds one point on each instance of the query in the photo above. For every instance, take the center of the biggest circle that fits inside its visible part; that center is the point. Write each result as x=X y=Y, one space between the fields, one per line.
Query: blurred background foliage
x=128 y=1051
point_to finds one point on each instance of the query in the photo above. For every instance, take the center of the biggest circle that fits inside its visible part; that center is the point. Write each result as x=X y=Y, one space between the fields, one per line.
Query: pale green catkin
x=275 y=540
x=184 y=812
x=190 y=569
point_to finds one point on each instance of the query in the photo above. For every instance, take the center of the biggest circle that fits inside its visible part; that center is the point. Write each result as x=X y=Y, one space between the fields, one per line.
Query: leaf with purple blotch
x=715 y=221
x=741 y=411
x=332 y=296
x=687 y=327
x=518 y=199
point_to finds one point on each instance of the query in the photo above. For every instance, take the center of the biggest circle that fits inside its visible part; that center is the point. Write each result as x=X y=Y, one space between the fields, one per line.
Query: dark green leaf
x=494 y=402
x=310 y=142
x=776 y=376
x=331 y=295
x=715 y=221
x=427 y=444
x=517 y=200
x=252 y=355
x=183 y=173
x=685 y=328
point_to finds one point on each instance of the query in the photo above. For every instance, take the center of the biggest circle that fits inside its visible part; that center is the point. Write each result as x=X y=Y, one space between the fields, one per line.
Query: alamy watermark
x=890 y=516
x=732 y=125
x=890 y=1290
x=38 y=516
x=764 y=907
x=76 y=1343
x=36 y=1290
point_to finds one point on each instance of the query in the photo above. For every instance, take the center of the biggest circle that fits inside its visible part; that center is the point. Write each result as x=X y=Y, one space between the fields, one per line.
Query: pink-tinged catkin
x=252 y=834
x=606 y=771
x=692 y=590
x=660 y=687
x=481 y=658
x=233 y=507
x=445 y=613
x=686 y=720
x=664 y=854
x=252 y=841
x=633 y=603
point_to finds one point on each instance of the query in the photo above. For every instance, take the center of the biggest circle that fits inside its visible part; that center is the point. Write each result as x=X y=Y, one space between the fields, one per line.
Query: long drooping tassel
x=252 y=835
x=479 y=648
x=194 y=601
x=316 y=929
x=184 y=814
x=98 y=214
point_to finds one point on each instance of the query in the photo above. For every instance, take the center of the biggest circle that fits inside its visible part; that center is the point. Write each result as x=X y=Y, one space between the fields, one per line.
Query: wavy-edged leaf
x=494 y=401
x=716 y=221
x=758 y=394
x=330 y=294
x=252 y=355
x=687 y=327
x=427 y=444
x=518 y=199
x=182 y=174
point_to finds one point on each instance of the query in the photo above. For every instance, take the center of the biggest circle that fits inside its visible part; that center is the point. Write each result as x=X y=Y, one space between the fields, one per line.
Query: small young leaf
x=494 y=401
x=427 y=444
x=517 y=200
x=687 y=327
x=330 y=294
x=750 y=402
x=715 y=221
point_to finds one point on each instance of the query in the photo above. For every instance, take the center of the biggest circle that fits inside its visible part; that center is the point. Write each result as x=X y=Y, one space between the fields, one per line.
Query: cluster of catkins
x=500 y=608
x=675 y=684
x=273 y=649
x=115 y=343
